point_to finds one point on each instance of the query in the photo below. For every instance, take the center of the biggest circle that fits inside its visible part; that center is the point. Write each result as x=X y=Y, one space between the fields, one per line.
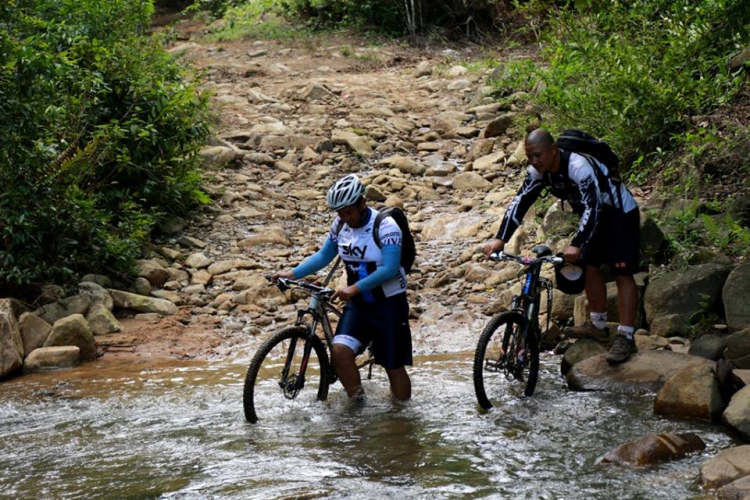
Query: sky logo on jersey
x=353 y=251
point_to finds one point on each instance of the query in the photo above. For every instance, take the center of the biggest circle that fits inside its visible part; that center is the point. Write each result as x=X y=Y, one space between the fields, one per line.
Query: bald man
x=608 y=233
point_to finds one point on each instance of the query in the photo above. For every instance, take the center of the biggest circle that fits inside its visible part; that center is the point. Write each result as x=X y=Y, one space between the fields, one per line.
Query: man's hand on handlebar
x=282 y=274
x=345 y=294
x=493 y=246
x=572 y=254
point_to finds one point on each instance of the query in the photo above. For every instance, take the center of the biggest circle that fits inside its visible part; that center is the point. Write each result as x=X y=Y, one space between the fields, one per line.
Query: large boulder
x=102 y=321
x=729 y=465
x=76 y=304
x=97 y=293
x=580 y=350
x=709 y=346
x=737 y=414
x=582 y=312
x=738 y=349
x=34 y=332
x=736 y=490
x=52 y=358
x=685 y=291
x=736 y=297
x=692 y=392
x=644 y=371
x=141 y=303
x=73 y=330
x=652 y=239
x=153 y=272
x=11 y=345
x=651 y=450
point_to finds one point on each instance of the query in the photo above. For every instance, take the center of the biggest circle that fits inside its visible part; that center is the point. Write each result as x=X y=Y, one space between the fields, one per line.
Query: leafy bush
x=99 y=130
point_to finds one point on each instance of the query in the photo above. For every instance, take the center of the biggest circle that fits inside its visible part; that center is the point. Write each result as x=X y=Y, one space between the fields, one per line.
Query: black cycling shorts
x=385 y=323
x=616 y=242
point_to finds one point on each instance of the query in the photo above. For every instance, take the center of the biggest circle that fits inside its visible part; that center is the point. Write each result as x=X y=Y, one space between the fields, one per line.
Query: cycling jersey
x=579 y=186
x=362 y=256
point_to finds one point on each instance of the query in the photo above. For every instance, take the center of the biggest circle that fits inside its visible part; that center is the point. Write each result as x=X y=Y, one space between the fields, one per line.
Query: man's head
x=346 y=197
x=542 y=151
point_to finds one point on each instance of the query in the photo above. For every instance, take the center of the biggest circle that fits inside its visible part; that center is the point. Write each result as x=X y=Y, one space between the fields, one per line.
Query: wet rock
x=269 y=236
x=76 y=304
x=73 y=330
x=153 y=271
x=11 y=344
x=198 y=261
x=433 y=313
x=97 y=294
x=729 y=465
x=738 y=349
x=651 y=450
x=34 y=332
x=140 y=303
x=737 y=414
x=470 y=180
x=404 y=164
x=692 y=392
x=216 y=156
x=735 y=297
x=685 y=291
x=353 y=141
x=709 y=346
x=499 y=125
x=643 y=371
x=578 y=351
x=102 y=321
x=52 y=358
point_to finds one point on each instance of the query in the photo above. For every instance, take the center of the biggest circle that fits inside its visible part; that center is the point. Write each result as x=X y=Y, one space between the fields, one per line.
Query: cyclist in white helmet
x=376 y=307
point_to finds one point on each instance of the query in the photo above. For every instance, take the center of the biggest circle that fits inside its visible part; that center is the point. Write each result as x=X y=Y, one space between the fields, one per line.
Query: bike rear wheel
x=503 y=354
x=272 y=378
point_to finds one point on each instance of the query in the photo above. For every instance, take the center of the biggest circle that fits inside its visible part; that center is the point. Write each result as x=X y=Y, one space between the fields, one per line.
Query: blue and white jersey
x=362 y=256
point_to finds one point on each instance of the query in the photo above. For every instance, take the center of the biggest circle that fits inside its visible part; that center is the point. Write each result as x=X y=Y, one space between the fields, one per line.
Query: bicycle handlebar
x=526 y=261
x=286 y=283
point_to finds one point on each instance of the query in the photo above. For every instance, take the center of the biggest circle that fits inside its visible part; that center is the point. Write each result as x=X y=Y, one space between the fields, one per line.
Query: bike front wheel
x=274 y=378
x=504 y=353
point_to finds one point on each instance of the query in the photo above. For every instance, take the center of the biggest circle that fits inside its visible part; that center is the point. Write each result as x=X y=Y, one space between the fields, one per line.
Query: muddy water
x=135 y=431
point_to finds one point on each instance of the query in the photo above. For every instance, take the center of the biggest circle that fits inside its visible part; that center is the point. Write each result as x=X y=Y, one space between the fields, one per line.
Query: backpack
x=577 y=141
x=408 y=247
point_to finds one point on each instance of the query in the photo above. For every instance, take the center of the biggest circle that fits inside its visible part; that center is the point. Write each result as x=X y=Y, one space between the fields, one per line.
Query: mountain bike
x=508 y=347
x=295 y=357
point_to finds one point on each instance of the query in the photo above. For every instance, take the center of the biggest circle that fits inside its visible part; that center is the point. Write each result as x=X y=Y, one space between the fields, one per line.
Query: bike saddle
x=542 y=251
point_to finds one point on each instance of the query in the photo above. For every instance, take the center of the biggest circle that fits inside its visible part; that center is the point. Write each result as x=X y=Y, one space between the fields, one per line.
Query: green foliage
x=99 y=130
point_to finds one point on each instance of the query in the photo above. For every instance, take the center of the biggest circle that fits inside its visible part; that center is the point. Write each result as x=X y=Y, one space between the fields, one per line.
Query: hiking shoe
x=622 y=349
x=587 y=331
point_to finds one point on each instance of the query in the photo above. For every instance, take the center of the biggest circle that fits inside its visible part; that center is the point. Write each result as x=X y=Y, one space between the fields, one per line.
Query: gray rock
x=729 y=465
x=685 y=291
x=374 y=194
x=736 y=297
x=141 y=286
x=737 y=414
x=315 y=92
x=141 y=303
x=73 y=330
x=692 y=392
x=34 y=332
x=738 y=349
x=645 y=371
x=670 y=325
x=580 y=350
x=11 y=344
x=76 y=304
x=188 y=241
x=423 y=69
x=260 y=158
x=217 y=156
x=52 y=358
x=269 y=236
x=353 y=141
x=102 y=321
x=198 y=261
x=100 y=280
x=225 y=266
x=470 y=180
x=651 y=450
x=97 y=293
x=652 y=239
x=499 y=125
x=709 y=346
x=153 y=272
x=404 y=164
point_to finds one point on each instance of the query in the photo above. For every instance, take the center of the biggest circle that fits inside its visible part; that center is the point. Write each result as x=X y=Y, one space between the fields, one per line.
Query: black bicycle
x=294 y=358
x=509 y=345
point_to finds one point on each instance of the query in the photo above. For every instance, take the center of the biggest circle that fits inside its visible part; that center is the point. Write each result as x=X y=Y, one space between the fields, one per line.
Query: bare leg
x=343 y=360
x=596 y=290
x=627 y=299
x=400 y=383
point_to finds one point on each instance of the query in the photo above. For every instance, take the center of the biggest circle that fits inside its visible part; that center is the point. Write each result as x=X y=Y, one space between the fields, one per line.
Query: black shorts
x=616 y=242
x=385 y=323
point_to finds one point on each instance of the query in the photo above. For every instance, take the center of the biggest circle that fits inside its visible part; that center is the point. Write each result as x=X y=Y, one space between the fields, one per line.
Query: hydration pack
x=408 y=247
x=583 y=143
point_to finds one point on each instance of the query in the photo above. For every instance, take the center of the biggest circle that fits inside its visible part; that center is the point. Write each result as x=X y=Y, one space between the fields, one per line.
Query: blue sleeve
x=317 y=261
x=389 y=269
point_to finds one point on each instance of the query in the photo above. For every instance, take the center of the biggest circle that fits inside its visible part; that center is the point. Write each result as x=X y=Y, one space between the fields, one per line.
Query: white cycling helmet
x=346 y=191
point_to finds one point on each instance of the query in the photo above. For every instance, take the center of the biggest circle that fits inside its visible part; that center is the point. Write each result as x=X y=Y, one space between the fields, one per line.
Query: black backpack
x=408 y=247
x=577 y=141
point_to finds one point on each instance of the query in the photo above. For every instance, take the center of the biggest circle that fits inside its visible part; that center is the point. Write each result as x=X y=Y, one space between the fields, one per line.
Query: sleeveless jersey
x=362 y=256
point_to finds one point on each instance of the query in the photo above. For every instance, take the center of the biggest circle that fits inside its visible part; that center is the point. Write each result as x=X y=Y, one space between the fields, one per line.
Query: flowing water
x=134 y=431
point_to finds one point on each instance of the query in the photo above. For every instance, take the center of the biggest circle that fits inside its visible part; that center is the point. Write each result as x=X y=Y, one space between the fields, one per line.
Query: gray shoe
x=587 y=331
x=622 y=349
